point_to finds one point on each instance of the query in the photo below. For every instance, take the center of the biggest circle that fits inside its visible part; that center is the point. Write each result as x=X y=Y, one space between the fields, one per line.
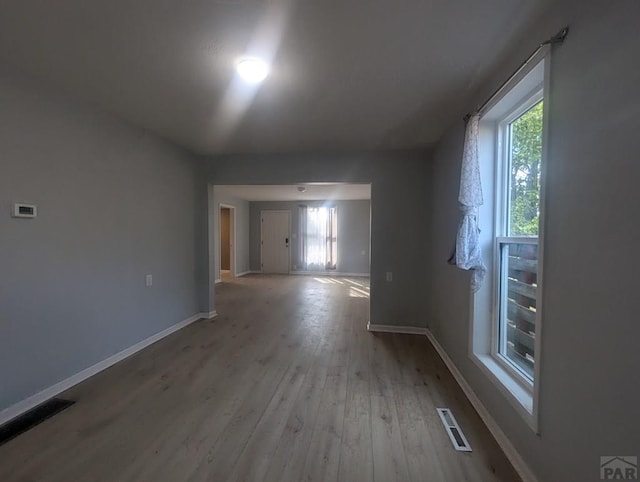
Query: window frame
x=502 y=226
x=502 y=155
x=516 y=98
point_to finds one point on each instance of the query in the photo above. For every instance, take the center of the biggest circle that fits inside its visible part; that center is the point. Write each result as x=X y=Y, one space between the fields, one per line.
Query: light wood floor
x=285 y=385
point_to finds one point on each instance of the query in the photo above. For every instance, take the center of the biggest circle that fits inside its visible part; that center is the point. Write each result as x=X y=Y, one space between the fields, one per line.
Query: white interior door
x=275 y=238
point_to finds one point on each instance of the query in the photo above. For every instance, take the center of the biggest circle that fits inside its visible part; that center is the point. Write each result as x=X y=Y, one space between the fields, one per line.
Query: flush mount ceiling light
x=252 y=70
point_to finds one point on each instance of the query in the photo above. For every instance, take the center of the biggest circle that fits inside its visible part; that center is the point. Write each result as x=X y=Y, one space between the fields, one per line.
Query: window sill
x=519 y=395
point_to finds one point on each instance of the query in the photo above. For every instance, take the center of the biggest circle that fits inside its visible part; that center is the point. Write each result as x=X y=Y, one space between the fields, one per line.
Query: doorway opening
x=323 y=231
x=227 y=242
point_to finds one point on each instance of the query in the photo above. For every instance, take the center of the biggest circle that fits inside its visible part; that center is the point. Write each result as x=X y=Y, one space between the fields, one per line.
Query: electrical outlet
x=149 y=280
x=363 y=252
x=389 y=276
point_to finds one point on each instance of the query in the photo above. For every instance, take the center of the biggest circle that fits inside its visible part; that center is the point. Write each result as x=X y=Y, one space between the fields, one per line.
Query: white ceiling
x=313 y=192
x=347 y=74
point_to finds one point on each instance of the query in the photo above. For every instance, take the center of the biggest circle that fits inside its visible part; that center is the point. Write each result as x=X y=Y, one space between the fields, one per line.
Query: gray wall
x=400 y=214
x=589 y=394
x=353 y=233
x=114 y=204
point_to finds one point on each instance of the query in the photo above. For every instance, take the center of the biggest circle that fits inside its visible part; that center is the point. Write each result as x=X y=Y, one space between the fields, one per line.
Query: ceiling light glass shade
x=252 y=70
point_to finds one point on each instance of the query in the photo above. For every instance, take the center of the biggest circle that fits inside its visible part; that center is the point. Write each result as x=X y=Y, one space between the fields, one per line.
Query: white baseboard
x=44 y=395
x=407 y=330
x=219 y=280
x=503 y=441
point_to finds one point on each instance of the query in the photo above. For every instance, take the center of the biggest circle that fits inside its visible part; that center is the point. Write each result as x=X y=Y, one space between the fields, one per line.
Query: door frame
x=232 y=239
x=262 y=236
x=240 y=179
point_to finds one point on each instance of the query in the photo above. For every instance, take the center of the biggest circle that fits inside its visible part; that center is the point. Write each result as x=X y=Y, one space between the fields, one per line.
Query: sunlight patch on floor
x=353 y=283
x=357 y=293
x=356 y=290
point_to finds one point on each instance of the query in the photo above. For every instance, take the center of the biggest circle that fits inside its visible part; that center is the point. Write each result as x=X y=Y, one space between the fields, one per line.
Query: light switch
x=149 y=280
x=389 y=276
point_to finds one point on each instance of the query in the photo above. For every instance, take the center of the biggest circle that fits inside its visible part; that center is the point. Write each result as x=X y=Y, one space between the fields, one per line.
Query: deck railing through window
x=519 y=281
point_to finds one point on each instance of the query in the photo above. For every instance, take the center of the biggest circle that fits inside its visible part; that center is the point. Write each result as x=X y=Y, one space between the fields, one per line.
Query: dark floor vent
x=33 y=417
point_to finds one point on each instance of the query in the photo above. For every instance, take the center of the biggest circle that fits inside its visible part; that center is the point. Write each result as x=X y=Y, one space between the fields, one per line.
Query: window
x=318 y=238
x=519 y=166
x=505 y=321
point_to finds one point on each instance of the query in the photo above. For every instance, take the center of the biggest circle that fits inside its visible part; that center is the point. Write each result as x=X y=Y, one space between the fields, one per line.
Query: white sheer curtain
x=318 y=238
x=467 y=253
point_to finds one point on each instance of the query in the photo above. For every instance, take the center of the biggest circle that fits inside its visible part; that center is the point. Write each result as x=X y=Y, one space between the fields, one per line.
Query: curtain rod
x=556 y=39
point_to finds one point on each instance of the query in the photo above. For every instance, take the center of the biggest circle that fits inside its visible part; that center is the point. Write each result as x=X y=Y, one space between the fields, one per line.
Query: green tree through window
x=526 y=154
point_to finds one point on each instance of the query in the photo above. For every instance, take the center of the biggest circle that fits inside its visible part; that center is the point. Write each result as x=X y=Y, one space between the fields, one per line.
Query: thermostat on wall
x=21 y=210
